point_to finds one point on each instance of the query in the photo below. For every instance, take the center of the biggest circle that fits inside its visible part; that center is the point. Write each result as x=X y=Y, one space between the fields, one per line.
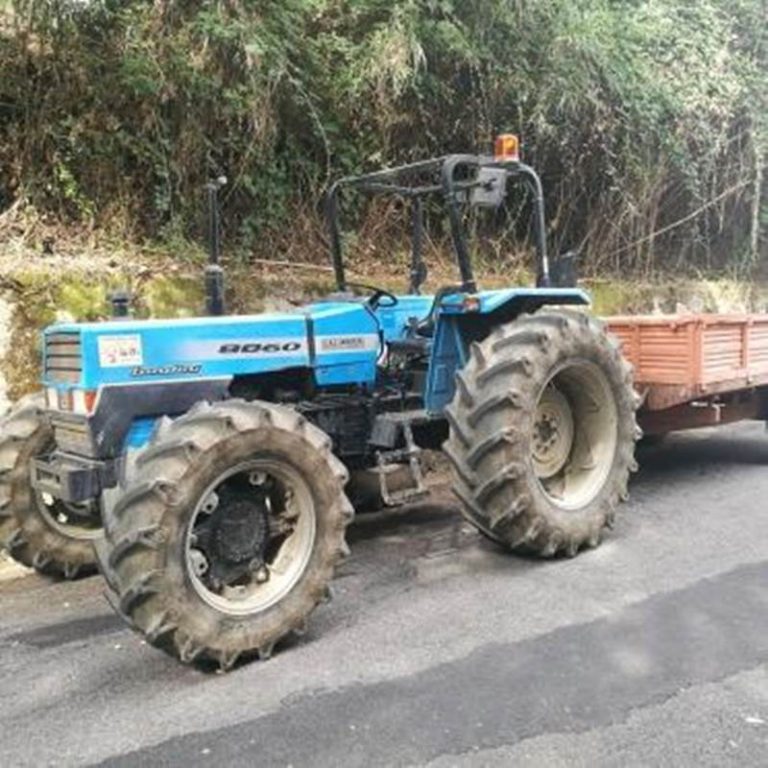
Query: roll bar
x=455 y=189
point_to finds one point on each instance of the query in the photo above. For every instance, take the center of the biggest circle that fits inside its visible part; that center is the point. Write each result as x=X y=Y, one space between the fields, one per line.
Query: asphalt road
x=442 y=650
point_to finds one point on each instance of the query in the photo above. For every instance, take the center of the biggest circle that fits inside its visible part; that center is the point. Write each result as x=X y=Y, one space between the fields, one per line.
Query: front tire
x=228 y=536
x=543 y=432
x=54 y=538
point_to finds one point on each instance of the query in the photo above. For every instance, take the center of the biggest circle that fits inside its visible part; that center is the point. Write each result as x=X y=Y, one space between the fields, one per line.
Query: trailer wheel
x=228 y=536
x=38 y=531
x=543 y=432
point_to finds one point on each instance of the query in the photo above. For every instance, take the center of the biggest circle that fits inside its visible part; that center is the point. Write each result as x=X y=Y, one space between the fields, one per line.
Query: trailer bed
x=679 y=358
x=696 y=370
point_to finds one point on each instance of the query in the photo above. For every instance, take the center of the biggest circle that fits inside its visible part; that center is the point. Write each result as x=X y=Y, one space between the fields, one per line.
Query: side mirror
x=491 y=189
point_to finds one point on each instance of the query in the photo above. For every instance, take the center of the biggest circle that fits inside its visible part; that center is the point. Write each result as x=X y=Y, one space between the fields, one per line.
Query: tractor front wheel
x=543 y=432
x=228 y=535
x=47 y=534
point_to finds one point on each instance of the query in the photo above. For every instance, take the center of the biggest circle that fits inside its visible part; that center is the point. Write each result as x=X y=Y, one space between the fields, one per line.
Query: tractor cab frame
x=460 y=180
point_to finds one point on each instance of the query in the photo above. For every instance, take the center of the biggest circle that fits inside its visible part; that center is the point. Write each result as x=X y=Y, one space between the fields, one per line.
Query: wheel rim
x=552 y=433
x=575 y=434
x=288 y=509
x=80 y=521
x=76 y=521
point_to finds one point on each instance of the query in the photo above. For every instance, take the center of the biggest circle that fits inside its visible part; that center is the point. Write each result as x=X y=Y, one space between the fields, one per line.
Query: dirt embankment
x=5 y=324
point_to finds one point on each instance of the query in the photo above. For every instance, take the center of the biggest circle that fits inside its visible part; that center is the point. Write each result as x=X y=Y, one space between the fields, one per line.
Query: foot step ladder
x=388 y=464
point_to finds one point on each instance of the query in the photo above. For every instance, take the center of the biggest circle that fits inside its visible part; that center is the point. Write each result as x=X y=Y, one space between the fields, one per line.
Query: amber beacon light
x=507 y=148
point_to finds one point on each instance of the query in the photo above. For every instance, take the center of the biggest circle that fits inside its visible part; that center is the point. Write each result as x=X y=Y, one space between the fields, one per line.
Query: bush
x=639 y=114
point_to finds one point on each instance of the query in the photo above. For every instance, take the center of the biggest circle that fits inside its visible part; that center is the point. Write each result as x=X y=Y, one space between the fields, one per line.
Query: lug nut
x=262 y=575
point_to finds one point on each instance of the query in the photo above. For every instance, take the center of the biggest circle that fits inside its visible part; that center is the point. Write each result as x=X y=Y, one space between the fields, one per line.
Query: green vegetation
x=640 y=114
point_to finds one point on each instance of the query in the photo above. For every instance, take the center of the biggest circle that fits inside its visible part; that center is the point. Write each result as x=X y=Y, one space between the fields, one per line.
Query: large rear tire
x=228 y=535
x=43 y=533
x=542 y=432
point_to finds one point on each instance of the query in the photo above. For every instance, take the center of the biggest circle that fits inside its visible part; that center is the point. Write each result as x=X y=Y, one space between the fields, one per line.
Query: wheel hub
x=552 y=433
x=234 y=539
x=575 y=434
x=250 y=537
x=75 y=520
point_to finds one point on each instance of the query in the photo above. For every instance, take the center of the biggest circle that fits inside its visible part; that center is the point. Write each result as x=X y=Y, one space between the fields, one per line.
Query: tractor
x=208 y=466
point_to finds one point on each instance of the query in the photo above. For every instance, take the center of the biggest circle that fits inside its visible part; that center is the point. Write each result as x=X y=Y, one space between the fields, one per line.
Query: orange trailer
x=696 y=370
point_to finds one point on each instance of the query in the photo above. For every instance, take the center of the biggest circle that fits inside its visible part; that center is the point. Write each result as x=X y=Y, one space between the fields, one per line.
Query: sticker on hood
x=116 y=351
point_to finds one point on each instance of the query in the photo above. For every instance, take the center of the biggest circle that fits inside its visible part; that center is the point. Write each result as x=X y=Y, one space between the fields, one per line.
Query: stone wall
x=5 y=328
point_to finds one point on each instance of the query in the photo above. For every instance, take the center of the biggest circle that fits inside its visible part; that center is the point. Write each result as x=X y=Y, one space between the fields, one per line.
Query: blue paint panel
x=363 y=373
x=220 y=347
x=347 y=343
x=140 y=432
x=490 y=301
x=394 y=320
x=190 y=349
x=449 y=355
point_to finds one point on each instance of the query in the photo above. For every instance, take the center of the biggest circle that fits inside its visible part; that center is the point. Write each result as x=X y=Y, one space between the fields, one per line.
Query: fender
x=464 y=318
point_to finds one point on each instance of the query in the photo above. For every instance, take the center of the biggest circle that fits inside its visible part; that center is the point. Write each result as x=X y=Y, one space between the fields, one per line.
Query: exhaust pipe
x=214 y=274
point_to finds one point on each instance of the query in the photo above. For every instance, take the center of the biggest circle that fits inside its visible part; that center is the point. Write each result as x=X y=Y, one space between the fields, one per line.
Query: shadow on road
x=695 y=453
x=401 y=548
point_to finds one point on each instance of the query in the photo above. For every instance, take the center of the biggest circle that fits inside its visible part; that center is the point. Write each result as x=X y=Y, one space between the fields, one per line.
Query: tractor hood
x=340 y=341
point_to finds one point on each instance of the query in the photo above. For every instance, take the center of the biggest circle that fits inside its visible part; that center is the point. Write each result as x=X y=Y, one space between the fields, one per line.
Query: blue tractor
x=206 y=465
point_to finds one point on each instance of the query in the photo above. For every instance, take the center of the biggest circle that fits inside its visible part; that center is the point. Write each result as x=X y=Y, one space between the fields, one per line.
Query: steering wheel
x=374 y=300
x=377 y=294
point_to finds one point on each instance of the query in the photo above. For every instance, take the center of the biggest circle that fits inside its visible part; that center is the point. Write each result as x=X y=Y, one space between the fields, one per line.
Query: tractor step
x=389 y=462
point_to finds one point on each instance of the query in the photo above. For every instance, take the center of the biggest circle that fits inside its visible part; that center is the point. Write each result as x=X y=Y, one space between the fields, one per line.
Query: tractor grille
x=72 y=435
x=63 y=361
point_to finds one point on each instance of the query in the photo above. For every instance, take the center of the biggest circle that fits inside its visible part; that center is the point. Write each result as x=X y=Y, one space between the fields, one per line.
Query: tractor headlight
x=83 y=401
x=80 y=401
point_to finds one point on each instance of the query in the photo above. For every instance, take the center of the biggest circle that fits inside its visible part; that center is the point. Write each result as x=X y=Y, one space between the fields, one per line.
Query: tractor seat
x=425 y=328
x=421 y=331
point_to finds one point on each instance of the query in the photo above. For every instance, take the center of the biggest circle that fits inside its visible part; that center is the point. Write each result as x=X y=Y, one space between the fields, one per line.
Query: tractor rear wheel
x=228 y=535
x=542 y=432
x=38 y=531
